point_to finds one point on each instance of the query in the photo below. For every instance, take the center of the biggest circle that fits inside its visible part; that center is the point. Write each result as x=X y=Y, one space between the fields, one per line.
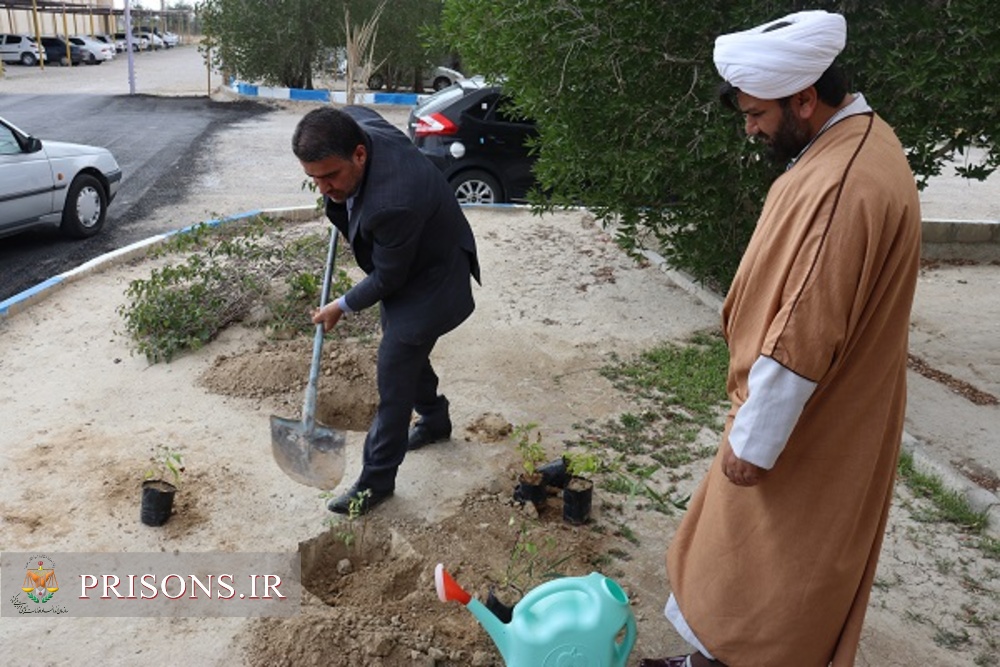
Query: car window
x=8 y=143
x=440 y=100
x=481 y=109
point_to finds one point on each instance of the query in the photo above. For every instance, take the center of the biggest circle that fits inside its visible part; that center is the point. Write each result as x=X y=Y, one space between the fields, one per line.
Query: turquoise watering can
x=567 y=622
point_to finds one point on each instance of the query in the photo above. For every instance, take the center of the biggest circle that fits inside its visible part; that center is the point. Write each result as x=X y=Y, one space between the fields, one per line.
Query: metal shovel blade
x=314 y=457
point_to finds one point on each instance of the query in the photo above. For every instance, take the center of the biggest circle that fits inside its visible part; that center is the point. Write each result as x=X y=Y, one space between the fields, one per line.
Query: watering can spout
x=448 y=590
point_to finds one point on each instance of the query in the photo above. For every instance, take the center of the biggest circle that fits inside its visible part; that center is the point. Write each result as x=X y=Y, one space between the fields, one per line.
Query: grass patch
x=946 y=505
x=677 y=390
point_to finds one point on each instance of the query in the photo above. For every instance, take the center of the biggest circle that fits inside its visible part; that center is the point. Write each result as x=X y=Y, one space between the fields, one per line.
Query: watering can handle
x=625 y=647
x=581 y=584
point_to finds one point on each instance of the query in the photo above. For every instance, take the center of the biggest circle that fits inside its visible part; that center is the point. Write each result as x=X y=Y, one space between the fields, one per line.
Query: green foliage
x=580 y=464
x=630 y=124
x=531 y=560
x=531 y=451
x=274 y=42
x=226 y=272
x=166 y=465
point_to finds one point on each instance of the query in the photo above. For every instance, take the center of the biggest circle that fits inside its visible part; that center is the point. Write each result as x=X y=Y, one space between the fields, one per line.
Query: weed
x=347 y=530
x=951 y=640
x=529 y=562
x=531 y=451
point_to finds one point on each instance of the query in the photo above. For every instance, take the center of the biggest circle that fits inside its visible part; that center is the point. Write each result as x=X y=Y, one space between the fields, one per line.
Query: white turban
x=776 y=64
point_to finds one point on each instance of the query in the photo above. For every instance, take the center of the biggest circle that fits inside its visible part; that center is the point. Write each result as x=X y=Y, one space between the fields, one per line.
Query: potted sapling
x=579 y=490
x=531 y=483
x=161 y=481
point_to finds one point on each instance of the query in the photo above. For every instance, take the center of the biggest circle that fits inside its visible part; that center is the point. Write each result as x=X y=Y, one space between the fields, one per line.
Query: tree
x=630 y=125
x=275 y=42
x=399 y=45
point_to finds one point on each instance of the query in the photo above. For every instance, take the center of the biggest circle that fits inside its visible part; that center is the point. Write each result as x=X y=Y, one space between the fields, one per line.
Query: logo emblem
x=40 y=581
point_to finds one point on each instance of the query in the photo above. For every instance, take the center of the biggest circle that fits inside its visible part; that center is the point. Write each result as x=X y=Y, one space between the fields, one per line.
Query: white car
x=20 y=49
x=54 y=183
x=170 y=39
x=95 y=51
x=154 y=41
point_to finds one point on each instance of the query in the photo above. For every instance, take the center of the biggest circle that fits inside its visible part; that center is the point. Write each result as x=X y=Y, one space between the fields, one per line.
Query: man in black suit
x=411 y=238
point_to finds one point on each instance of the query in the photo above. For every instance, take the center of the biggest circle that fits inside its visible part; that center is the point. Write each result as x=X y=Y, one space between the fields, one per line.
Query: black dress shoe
x=364 y=500
x=421 y=434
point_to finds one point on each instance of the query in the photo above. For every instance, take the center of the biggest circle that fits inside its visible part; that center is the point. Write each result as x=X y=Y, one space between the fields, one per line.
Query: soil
x=81 y=414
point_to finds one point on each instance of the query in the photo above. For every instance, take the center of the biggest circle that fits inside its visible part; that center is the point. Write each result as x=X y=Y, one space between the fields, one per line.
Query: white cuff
x=763 y=424
x=342 y=302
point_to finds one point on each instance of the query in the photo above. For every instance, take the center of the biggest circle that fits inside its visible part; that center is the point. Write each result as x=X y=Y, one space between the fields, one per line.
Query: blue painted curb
x=22 y=300
x=320 y=95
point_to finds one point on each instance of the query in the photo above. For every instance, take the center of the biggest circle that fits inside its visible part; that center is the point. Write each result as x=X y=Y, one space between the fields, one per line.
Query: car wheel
x=476 y=187
x=441 y=82
x=29 y=59
x=85 y=209
x=375 y=82
x=91 y=59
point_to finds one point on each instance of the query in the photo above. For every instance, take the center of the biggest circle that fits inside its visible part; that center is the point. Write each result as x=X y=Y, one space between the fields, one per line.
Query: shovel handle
x=309 y=405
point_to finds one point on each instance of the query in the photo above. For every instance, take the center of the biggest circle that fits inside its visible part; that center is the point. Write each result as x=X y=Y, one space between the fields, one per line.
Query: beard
x=789 y=140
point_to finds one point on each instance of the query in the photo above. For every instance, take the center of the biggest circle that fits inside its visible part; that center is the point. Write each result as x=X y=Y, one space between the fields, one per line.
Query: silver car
x=54 y=183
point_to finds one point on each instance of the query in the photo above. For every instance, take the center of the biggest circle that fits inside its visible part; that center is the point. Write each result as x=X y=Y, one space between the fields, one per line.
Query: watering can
x=566 y=622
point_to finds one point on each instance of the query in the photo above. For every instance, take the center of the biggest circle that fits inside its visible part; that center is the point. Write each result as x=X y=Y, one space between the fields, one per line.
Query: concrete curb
x=979 y=499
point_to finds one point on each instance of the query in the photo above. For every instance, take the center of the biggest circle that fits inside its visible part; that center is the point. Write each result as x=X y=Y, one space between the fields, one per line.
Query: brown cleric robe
x=779 y=574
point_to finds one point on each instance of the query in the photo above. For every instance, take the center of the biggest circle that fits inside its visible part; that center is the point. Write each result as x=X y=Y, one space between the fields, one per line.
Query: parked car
x=154 y=41
x=54 y=183
x=170 y=40
x=55 y=51
x=138 y=43
x=434 y=78
x=117 y=44
x=469 y=130
x=20 y=49
x=95 y=51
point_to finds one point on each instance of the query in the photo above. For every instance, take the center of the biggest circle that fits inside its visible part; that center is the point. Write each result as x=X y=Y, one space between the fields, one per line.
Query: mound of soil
x=278 y=371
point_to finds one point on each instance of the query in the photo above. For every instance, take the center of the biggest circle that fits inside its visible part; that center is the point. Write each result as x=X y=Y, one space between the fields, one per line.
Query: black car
x=470 y=132
x=55 y=51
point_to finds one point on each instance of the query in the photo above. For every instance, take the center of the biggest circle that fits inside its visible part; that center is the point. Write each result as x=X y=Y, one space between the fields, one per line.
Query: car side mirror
x=34 y=145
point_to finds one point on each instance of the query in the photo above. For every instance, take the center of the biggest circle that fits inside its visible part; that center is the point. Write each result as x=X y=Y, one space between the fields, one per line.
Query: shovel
x=308 y=452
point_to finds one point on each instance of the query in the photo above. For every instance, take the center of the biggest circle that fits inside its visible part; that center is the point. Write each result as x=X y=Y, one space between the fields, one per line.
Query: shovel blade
x=312 y=457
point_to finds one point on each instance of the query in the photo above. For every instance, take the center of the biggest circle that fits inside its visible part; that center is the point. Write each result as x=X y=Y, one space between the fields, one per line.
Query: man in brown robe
x=773 y=563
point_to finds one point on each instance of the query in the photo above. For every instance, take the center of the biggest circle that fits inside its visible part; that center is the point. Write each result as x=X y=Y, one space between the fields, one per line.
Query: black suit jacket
x=409 y=235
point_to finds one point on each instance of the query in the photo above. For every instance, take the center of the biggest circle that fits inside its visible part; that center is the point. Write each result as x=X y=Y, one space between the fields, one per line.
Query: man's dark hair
x=831 y=87
x=326 y=132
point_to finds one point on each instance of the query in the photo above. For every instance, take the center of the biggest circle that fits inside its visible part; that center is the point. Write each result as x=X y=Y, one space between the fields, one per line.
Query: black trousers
x=406 y=382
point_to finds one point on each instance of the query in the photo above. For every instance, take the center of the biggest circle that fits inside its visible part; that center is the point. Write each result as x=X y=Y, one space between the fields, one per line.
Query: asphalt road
x=157 y=142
